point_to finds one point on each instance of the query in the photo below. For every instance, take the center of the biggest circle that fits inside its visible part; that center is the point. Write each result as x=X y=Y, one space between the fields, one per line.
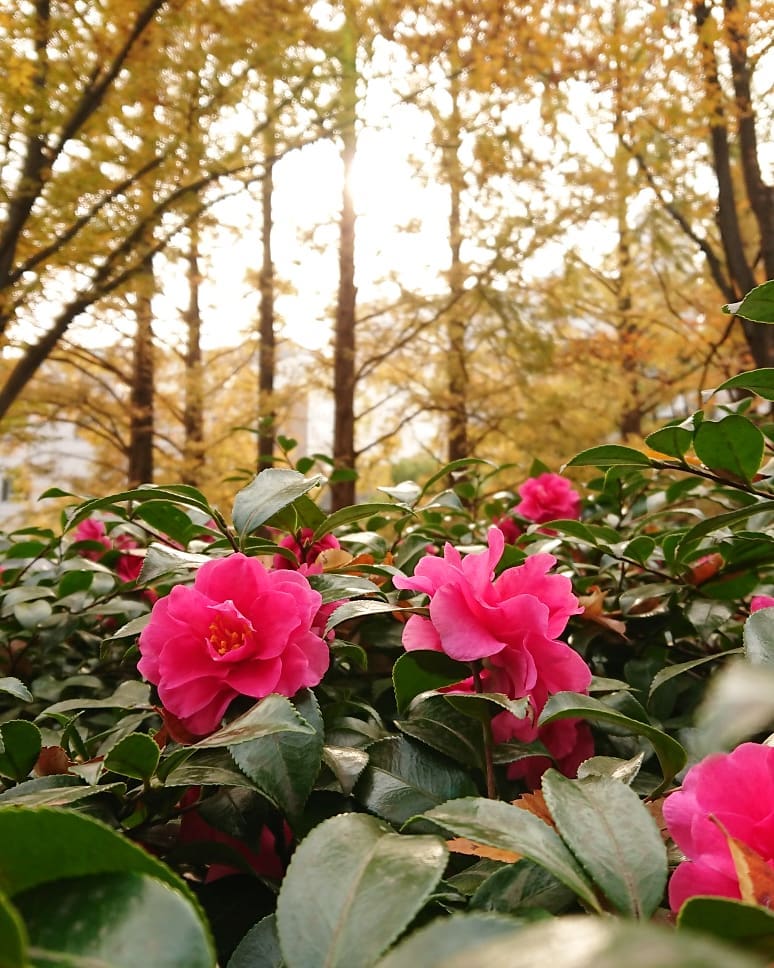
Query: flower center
x=228 y=630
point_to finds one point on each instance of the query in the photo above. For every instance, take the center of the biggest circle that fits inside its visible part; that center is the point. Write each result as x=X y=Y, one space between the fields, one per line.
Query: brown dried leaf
x=461 y=845
x=535 y=803
x=756 y=878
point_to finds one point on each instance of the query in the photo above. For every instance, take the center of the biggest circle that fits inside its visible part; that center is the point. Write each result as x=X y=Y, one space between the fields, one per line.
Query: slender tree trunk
x=456 y=326
x=760 y=337
x=267 y=348
x=193 y=408
x=140 y=469
x=343 y=492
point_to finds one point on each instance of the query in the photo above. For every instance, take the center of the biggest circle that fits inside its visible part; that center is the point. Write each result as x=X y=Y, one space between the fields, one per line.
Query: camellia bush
x=457 y=726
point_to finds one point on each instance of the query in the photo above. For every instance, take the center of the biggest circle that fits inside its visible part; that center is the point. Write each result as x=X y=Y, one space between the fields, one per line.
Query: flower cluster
x=128 y=565
x=726 y=794
x=240 y=630
x=305 y=550
x=510 y=625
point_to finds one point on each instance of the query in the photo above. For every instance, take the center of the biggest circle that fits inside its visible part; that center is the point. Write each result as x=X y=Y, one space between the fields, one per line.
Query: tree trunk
x=456 y=326
x=760 y=337
x=193 y=408
x=141 y=395
x=343 y=492
x=267 y=348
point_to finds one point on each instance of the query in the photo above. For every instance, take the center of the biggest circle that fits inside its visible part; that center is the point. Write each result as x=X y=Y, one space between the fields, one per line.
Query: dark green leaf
x=506 y=827
x=121 y=919
x=269 y=492
x=403 y=778
x=758 y=381
x=274 y=714
x=21 y=747
x=346 y=763
x=331 y=908
x=161 y=560
x=745 y=924
x=673 y=441
x=571 y=705
x=610 y=455
x=733 y=445
x=259 y=948
x=13 y=936
x=422 y=671
x=283 y=764
x=608 y=829
x=358 y=609
x=522 y=886
x=670 y=672
x=434 y=722
x=136 y=755
x=355 y=513
x=55 y=791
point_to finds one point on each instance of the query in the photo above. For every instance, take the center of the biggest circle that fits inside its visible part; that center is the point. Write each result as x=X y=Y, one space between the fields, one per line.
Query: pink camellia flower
x=569 y=741
x=306 y=551
x=240 y=630
x=761 y=601
x=548 y=497
x=510 y=624
x=511 y=531
x=92 y=529
x=736 y=789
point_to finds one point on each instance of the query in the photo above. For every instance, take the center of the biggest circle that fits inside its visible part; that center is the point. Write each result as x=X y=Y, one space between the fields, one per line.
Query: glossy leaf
x=284 y=763
x=506 y=827
x=617 y=842
x=758 y=381
x=670 y=672
x=135 y=755
x=732 y=445
x=570 y=705
x=21 y=748
x=422 y=671
x=521 y=887
x=758 y=637
x=56 y=791
x=359 y=609
x=433 y=721
x=673 y=441
x=445 y=938
x=331 y=909
x=269 y=492
x=12 y=686
x=357 y=512
x=259 y=948
x=731 y=920
x=274 y=714
x=757 y=305
x=403 y=778
x=121 y=919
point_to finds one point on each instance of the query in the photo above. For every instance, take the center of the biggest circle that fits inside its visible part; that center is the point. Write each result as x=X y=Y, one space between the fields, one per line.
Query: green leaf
x=452 y=467
x=757 y=305
x=608 y=829
x=571 y=705
x=733 y=445
x=580 y=941
x=610 y=455
x=738 y=704
x=757 y=381
x=166 y=518
x=259 y=948
x=274 y=714
x=31 y=615
x=520 y=887
x=745 y=924
x=161 y=560
x=673 y=441
x=719 y=522
x=16 y=688
x=55 y=791
x=129 y=695
x=13 y=936
x=437 y=724
x=331 y=909
x=346 y=764
x=21 y=743
x=178 y=493
x=357 y=512
x=122 y=919
x=758 y=637
x=283 y=764
x=422 y=671
x=670 y=672
x=135 y=755
x=269 y=492
x=403 y=778
x=445 y=938
x=358 y=609
x=84 y=846
x=506 y=827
